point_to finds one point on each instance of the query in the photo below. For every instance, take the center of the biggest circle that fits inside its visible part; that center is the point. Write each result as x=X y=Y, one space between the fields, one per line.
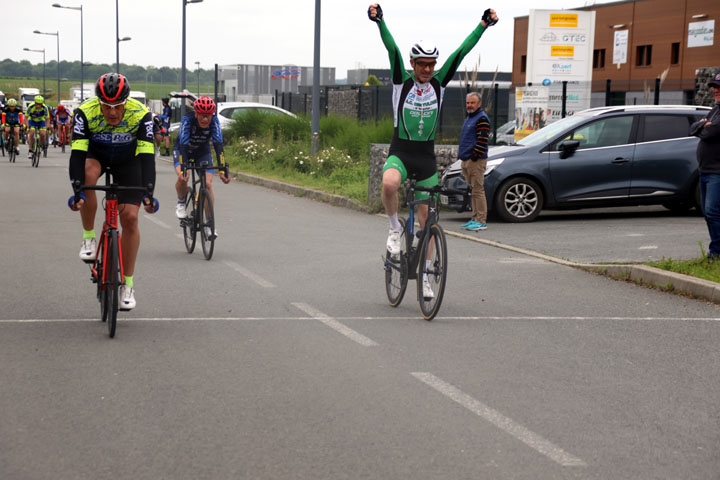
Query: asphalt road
x=280 y=358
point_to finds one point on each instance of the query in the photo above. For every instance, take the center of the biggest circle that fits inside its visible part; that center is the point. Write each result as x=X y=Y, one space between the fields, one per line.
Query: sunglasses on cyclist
x=113 y=105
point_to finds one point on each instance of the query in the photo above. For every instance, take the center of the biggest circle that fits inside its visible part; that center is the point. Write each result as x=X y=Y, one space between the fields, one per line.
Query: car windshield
x=542 y=136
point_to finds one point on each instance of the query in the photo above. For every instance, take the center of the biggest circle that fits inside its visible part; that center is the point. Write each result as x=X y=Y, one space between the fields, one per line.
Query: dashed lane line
x=249 y=275
x=335 y=325
x=508 y=425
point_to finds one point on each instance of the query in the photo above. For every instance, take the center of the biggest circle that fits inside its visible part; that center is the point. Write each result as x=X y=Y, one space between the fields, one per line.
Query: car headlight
x=492 y=165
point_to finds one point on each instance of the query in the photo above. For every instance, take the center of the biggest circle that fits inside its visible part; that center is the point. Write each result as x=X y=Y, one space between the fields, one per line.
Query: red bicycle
x=107 y=269
x=63 y=135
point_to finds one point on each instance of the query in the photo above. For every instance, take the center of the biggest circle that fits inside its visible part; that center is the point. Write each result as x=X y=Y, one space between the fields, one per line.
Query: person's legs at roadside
x=710 y=205
x=474 y=173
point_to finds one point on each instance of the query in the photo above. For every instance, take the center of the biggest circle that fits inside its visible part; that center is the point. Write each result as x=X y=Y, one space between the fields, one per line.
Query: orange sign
x=562 y=51
x=564 y=20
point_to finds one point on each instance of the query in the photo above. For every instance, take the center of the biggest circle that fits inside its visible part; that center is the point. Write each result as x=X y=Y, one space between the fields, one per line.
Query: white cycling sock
x=394 y=222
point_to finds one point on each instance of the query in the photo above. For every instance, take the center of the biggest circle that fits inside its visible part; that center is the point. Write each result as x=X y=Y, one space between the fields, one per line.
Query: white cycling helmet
x=423 y=49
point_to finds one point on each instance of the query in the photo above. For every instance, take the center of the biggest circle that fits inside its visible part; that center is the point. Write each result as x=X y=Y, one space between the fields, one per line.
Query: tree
x=372 y=80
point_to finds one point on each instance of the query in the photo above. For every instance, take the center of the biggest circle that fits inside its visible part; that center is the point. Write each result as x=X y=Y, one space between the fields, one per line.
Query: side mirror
x=568 y=147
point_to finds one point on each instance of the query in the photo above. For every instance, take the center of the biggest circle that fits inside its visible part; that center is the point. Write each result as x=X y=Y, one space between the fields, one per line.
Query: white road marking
x=504 y=423
x=648 y=247
x=250 y=275
x=335 y=325
x=635 y=235
x=244 y=319
x=522 y=261
x=156 y=221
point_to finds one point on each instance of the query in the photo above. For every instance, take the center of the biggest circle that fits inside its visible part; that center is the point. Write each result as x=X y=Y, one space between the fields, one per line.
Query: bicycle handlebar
x=80 y=192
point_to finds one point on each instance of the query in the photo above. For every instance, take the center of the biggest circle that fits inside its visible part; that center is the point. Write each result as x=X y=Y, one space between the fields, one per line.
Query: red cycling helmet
x=204 y=105
x=112 y=88
x=61 y=108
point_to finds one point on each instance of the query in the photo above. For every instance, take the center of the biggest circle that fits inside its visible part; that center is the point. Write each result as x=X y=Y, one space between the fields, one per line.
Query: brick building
x=663 y=35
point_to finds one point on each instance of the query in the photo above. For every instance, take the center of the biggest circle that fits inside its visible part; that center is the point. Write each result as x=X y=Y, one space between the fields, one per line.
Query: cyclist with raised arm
x=37 y=115
x=417 y=99
x=12 y=120
x=113 y=129
x=198 y=129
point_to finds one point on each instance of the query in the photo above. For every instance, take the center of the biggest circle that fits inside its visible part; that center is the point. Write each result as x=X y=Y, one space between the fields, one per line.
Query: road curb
x=640 y=274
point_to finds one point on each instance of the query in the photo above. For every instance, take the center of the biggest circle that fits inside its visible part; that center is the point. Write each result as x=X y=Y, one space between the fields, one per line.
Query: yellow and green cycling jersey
x=37 y=112
x=131 y=137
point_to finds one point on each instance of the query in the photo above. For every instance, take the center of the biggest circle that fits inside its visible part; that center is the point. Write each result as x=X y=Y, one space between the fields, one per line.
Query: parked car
x=227 y=110
x=601 y=157
x=505 y=134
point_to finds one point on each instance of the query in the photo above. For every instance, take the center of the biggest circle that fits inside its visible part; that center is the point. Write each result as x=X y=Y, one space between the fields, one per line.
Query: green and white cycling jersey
x=416 y=107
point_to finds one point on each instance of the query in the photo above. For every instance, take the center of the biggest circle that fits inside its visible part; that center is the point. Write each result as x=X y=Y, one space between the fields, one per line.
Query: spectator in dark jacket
x=708 y=155
x=472 y=151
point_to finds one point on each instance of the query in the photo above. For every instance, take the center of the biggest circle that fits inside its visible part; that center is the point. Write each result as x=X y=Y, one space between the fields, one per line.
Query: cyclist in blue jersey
x=417 y=99
x=198 y=129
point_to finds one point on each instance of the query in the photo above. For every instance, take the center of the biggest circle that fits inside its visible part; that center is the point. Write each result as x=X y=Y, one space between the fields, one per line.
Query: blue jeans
x=710 y=205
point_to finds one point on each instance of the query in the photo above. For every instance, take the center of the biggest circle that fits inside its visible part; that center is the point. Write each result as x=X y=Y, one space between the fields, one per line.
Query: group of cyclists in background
x=53 y=124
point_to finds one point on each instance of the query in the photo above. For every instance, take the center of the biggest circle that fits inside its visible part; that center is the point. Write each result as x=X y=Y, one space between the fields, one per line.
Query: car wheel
x=519 y=200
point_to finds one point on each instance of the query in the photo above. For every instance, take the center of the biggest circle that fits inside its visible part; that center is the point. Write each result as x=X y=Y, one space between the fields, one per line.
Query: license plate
x=444 y=200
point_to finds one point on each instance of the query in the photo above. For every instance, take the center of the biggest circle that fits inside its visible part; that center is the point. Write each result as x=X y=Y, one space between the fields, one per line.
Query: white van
x=26 y=96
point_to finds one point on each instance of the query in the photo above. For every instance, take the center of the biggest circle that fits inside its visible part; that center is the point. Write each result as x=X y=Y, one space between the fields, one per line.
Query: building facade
x=261 y=82
x=666 y=39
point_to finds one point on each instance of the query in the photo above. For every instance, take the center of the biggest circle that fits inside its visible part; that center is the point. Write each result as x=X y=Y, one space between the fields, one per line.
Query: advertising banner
x=560 y=46
x=531 y=109
x=620 y=47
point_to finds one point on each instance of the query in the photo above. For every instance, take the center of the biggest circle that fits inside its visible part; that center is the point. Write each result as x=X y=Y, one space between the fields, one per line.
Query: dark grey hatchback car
x=601 y=157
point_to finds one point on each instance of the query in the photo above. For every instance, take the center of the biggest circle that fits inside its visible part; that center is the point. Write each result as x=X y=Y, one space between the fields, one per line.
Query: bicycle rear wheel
x=396 y=270
x=207 y=223
x=432 y=266
x=112 y=286
x=189 y=223
x=36 y=153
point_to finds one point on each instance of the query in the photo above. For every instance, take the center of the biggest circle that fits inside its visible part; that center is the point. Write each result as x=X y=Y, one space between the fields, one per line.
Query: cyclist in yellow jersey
x=38 y=115
x=113 y=129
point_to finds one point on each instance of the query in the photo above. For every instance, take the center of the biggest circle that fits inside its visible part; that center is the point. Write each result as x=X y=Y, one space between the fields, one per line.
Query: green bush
x=279 y=146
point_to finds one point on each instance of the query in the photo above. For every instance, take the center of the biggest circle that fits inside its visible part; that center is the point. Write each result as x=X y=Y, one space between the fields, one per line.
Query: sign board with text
x=560 y=46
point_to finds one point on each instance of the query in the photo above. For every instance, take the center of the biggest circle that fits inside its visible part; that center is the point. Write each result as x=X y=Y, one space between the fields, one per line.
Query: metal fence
x=372 y=103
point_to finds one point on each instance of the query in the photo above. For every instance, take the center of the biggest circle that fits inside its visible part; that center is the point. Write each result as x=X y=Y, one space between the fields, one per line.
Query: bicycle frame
x=413 y=257
x=110 y=225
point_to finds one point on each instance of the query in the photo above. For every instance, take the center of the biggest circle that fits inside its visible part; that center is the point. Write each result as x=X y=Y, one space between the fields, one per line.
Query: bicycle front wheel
x=188 y=223
x=396 y=271
x=97 y=277
x=11 y=152
x=432 y=272
x=112 y=287
x=207 y=224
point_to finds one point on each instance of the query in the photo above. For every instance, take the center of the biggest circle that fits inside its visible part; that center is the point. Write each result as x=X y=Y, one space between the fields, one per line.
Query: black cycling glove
x=487 y=18
x=377 y=17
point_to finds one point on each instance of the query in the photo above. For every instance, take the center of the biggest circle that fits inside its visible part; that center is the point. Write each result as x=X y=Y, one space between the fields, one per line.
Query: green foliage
x=703 y=267
x=278 y=146
x=372 y=80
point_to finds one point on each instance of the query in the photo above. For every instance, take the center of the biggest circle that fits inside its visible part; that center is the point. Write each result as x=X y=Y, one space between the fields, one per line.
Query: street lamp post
x=56 y=34
x=43 y=52
x=117 y=37
x=197 y=68
x=82 y=64
x=182 y=68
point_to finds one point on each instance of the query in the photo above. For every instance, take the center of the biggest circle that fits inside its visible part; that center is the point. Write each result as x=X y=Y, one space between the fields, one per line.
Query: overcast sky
x=275 y=32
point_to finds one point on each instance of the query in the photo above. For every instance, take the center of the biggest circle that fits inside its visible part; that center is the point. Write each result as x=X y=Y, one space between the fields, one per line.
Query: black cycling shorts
x=127 y=172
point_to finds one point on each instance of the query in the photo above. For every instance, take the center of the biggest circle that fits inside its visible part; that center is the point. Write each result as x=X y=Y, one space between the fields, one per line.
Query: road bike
x=2 y=144
x=35 y=159
x=200 y=213
x=423 y=254
x=106 y=270
x=10 y=146
x=63 y=136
